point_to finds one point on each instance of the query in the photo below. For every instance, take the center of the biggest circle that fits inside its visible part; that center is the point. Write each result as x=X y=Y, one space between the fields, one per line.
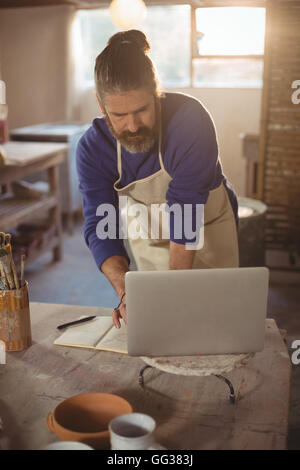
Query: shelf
x=53 y=243
x=14 y=211
x=24 y=159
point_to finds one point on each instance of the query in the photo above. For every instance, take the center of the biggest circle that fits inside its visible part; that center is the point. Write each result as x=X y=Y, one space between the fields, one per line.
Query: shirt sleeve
x=96 y=187
x=192 y=162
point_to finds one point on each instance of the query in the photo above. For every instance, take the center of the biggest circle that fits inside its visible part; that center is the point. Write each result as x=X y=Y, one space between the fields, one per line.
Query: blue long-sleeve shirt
x=190 y=156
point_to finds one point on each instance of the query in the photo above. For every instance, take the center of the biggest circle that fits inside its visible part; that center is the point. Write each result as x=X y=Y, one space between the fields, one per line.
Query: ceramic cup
x=132 y=431
x=67 y=445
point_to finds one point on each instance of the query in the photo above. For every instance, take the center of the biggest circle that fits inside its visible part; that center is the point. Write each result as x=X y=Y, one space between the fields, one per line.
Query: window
x=164 y=25
x=228 y=46
x=92 y=30
x=205 y=46
x=168 y=28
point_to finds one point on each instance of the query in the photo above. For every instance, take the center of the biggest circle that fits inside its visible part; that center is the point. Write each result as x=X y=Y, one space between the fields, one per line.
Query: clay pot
x=85 y=418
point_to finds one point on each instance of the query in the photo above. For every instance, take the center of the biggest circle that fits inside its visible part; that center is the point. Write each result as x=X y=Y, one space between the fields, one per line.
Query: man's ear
x=100 y=104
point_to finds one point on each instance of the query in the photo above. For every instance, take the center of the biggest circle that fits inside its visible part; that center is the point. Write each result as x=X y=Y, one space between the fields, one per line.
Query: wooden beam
x=102 y=3
x=37 y=3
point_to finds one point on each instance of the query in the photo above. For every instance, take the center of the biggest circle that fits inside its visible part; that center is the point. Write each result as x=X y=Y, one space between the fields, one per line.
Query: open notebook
x=99 y=333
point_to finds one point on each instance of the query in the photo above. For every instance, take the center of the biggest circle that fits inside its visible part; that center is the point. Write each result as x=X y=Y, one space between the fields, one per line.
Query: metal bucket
x=252 y=214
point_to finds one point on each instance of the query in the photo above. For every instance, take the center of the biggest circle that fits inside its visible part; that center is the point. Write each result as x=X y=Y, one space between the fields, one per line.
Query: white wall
x=234 y=111
x=35 y=63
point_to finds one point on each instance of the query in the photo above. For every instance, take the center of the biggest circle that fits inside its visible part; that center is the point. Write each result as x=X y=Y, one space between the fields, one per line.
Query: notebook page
x=85 y=334
x=115 y=340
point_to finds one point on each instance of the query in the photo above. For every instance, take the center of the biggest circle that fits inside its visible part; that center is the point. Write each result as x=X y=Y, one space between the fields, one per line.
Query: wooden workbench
x=191 y=412
x=25 y=158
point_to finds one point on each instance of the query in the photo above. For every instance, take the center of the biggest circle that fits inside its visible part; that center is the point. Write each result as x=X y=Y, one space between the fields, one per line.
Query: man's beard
x=135 y=142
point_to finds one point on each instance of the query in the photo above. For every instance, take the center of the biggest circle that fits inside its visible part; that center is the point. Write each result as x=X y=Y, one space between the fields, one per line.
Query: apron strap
x=119 y=163
x=159 y=142
x=119 y=156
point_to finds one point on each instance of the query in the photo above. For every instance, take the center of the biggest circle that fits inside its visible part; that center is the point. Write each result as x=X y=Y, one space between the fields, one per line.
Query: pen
x=82 y=320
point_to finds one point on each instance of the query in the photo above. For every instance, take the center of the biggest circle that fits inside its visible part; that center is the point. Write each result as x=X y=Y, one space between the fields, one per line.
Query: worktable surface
x=24 y=153
x=191 y=412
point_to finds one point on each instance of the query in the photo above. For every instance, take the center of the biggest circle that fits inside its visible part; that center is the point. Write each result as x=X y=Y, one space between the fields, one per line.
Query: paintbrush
x=8 y=248
x=3 y=278
x=2 y=239
x=5 y=261
x=7 y=238
x=23 y=257
x=2 y=271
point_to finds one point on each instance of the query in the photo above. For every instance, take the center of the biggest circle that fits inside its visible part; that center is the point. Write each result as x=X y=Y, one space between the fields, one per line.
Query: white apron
x=220 y=249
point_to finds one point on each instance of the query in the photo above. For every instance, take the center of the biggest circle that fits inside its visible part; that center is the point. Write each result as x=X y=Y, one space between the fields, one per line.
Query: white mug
x=133 y=431
x=67 y=445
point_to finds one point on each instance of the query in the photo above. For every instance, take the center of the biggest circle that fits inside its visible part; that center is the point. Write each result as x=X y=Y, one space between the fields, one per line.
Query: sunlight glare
x=231 y=30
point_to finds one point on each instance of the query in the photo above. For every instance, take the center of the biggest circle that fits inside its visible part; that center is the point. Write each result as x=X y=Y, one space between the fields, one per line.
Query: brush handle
x=2 y=239
x=23 y=257
x=7 y=269
x=13 y=267
x=11 y=260
x=7 y=238
x=3 y=277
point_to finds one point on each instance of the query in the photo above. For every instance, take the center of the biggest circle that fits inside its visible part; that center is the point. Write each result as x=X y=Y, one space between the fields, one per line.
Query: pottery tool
x=2 y=239
x=8 y=272
x=7 y=239
x=6 y=266
x=23 y=257
x=11 y=261
x=4 y=284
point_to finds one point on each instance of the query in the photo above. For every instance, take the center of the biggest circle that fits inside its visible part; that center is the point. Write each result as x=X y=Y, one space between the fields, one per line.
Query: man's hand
x=180 y=258
x=118 y=313
x=115 y=269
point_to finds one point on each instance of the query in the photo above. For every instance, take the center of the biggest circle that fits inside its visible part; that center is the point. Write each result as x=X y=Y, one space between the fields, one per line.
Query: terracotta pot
x=85 y=418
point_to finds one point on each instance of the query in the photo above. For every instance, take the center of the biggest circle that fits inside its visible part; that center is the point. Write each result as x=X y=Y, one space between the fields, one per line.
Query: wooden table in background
x=191 y=412
x=25 y=158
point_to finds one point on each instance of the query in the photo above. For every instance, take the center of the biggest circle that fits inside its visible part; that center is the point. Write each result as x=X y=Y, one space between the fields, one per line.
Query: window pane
x=228 y=72
x=95 y=29
x=230 y=30
x=168 y=29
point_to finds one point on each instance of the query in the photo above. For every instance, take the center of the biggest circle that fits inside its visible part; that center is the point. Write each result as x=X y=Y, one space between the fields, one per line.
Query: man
x=152 y=148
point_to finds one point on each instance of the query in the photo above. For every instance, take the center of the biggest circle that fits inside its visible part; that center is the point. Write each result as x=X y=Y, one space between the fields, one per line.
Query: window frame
x=194 y=53
x=195 y=5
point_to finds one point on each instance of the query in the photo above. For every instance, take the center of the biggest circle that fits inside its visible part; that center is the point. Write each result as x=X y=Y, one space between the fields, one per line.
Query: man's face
x=132 y=118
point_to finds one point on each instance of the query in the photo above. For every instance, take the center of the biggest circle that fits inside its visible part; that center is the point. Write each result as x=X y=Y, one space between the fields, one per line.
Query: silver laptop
x=197 y=311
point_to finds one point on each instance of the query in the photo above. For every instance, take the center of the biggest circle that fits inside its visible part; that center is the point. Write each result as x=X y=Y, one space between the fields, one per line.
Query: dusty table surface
x=24 y=153
x=191 y=412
